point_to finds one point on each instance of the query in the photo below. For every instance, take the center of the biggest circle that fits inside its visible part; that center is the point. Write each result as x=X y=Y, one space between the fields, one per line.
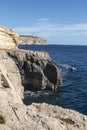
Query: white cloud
x=43 y=19
x=58 y=31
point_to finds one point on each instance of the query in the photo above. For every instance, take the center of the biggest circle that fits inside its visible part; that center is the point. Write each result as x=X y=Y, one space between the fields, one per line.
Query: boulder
x=8 y=38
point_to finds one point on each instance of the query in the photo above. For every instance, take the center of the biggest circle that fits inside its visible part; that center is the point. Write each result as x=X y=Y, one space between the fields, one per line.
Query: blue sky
x=60 y=21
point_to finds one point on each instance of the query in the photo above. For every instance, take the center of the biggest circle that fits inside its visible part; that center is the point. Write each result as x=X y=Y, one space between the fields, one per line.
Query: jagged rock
x=38 y=71
x=29 y=69
x=32 y=40
x=41 y=117
x=8 y=38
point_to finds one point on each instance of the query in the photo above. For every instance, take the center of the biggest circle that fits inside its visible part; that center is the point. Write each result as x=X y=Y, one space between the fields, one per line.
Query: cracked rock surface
x=41 y=117
x=8 y=38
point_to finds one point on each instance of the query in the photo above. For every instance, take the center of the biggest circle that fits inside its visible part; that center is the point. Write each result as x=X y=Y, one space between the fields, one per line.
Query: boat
x=72 y=68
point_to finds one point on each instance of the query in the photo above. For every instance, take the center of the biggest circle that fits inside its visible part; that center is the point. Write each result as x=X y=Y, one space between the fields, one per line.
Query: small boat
x=72 y=68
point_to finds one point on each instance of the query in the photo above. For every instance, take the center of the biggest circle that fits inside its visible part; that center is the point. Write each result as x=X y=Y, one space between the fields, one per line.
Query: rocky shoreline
x=22 y=70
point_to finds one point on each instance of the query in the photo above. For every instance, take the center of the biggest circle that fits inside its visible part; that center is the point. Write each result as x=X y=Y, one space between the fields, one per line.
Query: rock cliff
x=24 y=68
x=32 y=40
x=8 y=38
x=19 y=70
x=36 y=70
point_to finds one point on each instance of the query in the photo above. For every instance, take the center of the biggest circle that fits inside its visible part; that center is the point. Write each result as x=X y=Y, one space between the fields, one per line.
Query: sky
x=62 y=22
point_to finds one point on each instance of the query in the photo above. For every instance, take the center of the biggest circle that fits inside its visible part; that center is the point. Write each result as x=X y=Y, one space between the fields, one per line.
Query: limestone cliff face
x=36 y=70
x=8 y=38
x=32 y=40
x=27 y=70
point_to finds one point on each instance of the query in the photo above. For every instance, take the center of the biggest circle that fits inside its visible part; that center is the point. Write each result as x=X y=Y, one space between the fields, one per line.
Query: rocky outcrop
x=41 y=117
x=32 y=40
x=15 y=67
x=26 y=70
x=8 y=38
x=38 y=71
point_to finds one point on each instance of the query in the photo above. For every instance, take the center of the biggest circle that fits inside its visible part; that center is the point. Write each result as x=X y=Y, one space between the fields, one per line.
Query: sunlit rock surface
x=41 y=117
x=8 y=38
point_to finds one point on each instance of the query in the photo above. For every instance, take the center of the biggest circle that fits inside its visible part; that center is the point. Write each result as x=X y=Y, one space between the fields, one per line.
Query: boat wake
x=67 y=67
x=36 y=94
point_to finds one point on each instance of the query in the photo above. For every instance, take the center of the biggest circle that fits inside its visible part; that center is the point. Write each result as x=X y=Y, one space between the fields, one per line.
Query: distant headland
x=32 y=40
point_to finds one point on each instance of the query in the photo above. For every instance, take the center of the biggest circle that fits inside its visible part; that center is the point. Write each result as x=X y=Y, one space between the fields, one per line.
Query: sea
x=72 y=94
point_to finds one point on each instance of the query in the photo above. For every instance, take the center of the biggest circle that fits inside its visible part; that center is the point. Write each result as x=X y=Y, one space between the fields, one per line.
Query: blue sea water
x=72 y=93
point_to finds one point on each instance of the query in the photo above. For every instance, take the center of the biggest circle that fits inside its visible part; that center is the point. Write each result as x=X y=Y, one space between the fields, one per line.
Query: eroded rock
x=26 y=70
x=38 y=71
x=8 y=38
x=42 y=117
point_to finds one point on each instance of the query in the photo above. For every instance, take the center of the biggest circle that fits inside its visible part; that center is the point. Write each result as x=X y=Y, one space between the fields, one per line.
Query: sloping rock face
x=8 y=38
x=32 y=40
x=38 y=71
x=41 y=117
